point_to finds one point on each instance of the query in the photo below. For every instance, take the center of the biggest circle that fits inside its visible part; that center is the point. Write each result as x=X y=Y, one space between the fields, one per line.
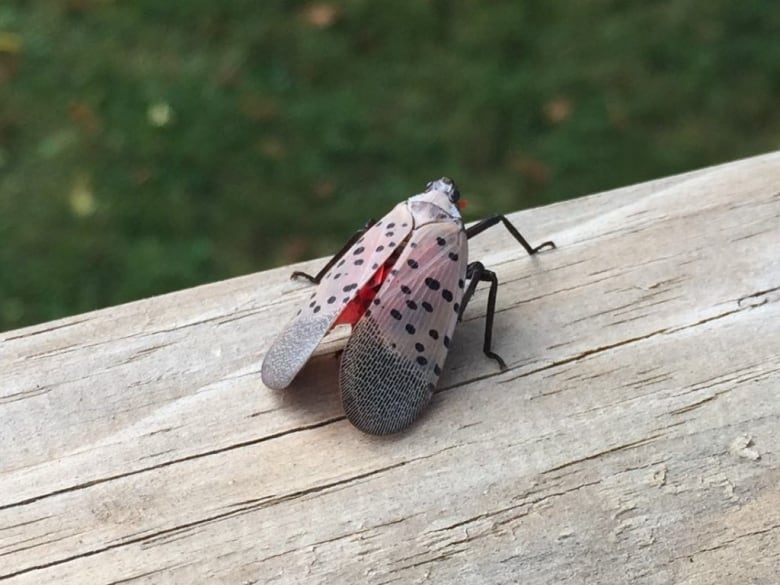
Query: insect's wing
x=292 y=349
x=395 y=354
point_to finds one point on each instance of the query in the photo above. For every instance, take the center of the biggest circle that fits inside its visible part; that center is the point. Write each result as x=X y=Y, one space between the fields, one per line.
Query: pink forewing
x=292 y=349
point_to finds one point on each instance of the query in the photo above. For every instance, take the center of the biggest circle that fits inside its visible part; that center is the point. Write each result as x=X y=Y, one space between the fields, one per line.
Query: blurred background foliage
x=150 y=145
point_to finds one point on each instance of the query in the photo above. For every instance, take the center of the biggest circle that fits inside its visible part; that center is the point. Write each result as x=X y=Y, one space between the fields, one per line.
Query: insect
x=402 y=283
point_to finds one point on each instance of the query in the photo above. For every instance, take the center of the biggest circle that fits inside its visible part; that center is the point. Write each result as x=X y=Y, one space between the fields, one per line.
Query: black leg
x=318 y=277
x=471 y=269
x=489 y=222
x=476 y=273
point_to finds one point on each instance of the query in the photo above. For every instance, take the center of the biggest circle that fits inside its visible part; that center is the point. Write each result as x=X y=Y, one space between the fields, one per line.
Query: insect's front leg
x=489 y=222
x=318 y=277
x=476 y=273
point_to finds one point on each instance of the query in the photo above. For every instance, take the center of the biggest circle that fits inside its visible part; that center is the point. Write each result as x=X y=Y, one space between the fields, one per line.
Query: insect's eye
x=445 y=185
x=449 y=188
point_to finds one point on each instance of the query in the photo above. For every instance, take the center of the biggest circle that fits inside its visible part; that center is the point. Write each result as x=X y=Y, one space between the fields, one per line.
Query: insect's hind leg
x=351 y=242
x=489 y=222
x=476 y=273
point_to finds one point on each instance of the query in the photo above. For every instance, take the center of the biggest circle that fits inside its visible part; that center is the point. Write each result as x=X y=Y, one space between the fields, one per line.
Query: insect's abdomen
x=382 y=390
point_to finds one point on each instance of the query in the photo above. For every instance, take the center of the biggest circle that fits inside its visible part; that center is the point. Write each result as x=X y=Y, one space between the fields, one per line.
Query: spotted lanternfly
x=402 y=283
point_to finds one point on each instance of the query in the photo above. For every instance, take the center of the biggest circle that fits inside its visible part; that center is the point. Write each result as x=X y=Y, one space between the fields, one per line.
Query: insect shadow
x=316 y=389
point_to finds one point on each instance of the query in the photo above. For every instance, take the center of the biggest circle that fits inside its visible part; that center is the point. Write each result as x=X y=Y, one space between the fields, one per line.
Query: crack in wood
x=32 y=546
x=25 y=394
x=727 y=543
x=623 y=447
x=49 y=329
x=694 y=405
x=622 y=342
x=164 y=464
x=158 y=536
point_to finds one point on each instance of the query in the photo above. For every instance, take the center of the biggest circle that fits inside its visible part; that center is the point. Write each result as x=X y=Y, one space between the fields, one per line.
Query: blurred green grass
x=149 y=146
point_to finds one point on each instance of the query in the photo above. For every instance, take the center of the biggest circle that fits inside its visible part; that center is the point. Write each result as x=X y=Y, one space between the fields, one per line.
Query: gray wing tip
x=382 y=391
x=273 y=376
x=385 y=410
x=292 y=349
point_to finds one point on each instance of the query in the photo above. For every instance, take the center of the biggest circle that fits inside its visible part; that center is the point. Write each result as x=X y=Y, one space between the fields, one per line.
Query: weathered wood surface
x=635 y=438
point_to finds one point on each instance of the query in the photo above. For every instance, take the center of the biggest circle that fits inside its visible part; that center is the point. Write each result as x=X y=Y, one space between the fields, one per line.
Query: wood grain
x=634 y=439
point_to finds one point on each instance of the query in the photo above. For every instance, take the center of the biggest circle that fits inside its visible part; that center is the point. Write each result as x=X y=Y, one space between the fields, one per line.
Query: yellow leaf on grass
x=558 y=110
x=321 y=14
x=82 y=196
x=10 y=42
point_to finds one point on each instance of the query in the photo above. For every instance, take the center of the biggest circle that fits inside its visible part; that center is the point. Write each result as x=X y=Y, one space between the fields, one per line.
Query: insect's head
x=443 y=194
x=444 y=185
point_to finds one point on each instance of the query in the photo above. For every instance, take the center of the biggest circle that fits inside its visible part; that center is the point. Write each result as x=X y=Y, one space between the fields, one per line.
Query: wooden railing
x=634 y=438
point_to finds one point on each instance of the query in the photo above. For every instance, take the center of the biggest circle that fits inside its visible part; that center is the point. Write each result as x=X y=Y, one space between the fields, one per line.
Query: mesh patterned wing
x=292 y=349
x=395 y=354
